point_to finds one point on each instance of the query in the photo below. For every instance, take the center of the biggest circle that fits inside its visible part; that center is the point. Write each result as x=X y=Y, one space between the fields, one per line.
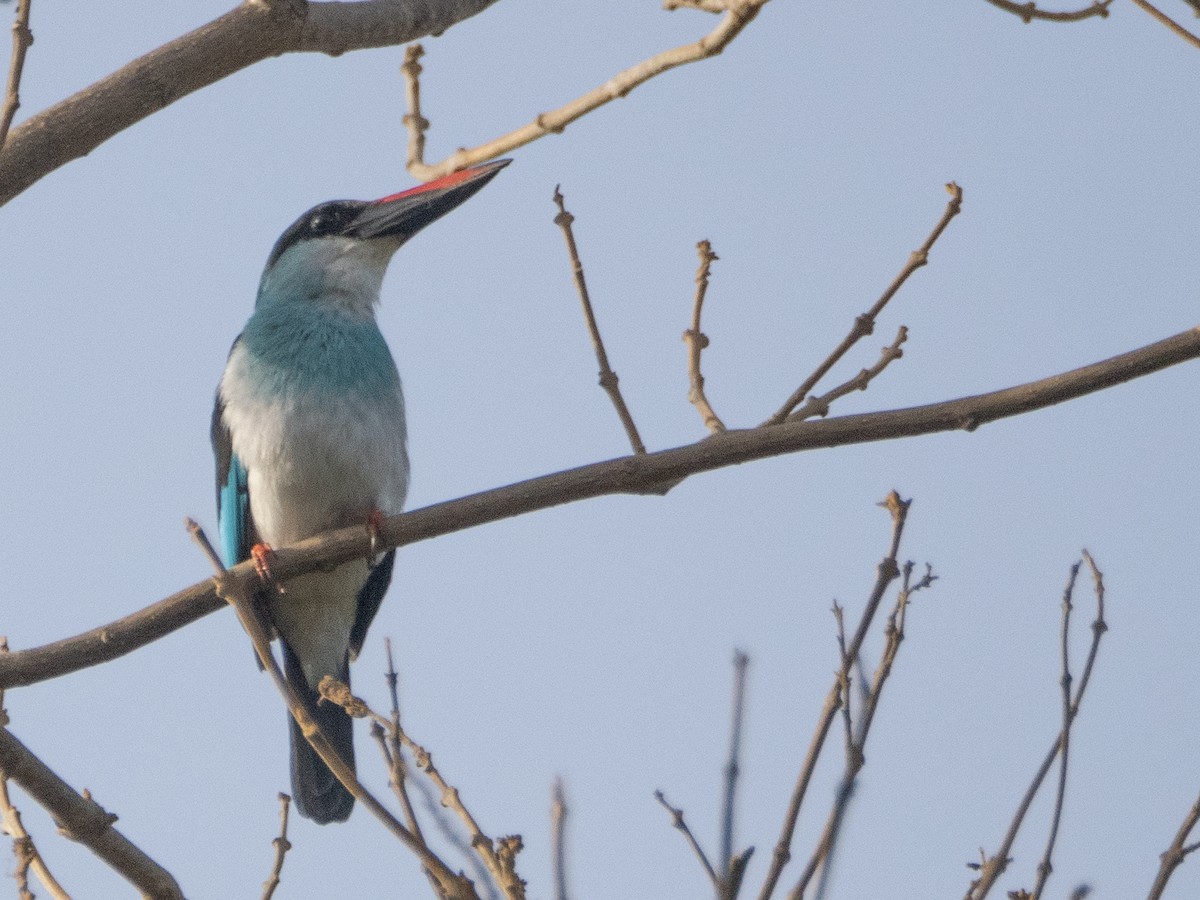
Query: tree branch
x=22 y=39
x=82 y=819
x=1027 y=12
x=864 y=324
x=1162 y=17
x=645 y=473
x=697 y=340
x=254 y=31
x=738 y=14
x=608 y=378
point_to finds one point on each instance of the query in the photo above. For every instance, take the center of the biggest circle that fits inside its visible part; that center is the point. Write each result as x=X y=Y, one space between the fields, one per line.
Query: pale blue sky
x=593 y=641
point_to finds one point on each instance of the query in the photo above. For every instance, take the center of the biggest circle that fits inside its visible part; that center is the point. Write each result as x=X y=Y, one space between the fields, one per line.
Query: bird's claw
x=374 y=527
x=262 y=555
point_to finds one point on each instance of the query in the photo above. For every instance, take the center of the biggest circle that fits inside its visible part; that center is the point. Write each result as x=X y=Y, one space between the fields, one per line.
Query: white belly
x=314 y=463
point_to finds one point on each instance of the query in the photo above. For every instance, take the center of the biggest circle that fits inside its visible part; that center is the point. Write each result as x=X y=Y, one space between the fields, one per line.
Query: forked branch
x=865 y=323
x=737 y=15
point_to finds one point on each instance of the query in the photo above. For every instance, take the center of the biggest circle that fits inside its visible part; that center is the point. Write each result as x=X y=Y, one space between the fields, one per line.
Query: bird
x=308 y=432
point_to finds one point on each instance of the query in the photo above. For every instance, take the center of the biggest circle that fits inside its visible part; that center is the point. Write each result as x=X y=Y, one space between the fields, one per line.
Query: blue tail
x=317 y=793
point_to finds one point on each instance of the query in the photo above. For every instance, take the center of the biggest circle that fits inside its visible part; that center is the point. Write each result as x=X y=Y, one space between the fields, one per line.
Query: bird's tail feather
x=316 y=791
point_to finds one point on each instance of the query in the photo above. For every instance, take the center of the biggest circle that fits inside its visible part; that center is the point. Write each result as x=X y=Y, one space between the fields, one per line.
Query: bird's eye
x=317 y=223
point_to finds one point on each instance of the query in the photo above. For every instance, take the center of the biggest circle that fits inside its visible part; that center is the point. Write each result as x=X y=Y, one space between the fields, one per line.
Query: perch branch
x=608 y=378
x=865 y=323
x=738 y=14
x=630 y=474
x=240 y=595
x=697 y=340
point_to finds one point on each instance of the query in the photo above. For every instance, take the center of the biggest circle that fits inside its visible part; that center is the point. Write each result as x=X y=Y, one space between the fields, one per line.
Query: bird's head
x=338 y=252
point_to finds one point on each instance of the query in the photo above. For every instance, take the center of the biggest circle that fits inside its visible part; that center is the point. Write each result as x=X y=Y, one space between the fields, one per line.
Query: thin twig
x=1027 y=12
x=855 y=757
x=819 y=406
x=865 y=323
x=678 y=822
x=697 y=340
x=500 y=855
x=992 y=867
x=558 y=840
x=1046 y=867
x=740 y=663
x=25 y=850
x=738 y=14
x=1174 y=855
x=414 y=122
x=239 y=596
x=392 y=749
x=886 y=572
x=282 y=845
x=608 y=378
x=710 y=6
x=1169 y=22
x=22 y=39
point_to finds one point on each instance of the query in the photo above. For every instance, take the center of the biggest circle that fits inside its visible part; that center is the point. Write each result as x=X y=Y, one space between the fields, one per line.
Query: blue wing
x=233 y=492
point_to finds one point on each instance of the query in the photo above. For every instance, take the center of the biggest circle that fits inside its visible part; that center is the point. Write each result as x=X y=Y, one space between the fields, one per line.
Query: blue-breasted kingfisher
x=309 y=435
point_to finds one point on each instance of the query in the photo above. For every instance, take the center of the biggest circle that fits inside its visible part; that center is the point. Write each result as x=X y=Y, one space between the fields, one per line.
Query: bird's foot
x=262 y=554
x=374 y=527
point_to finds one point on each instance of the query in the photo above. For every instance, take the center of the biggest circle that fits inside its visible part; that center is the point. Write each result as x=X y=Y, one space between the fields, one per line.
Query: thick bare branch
x=254 y=31
x=644 y=473
x=80 y=818
x=738 y=14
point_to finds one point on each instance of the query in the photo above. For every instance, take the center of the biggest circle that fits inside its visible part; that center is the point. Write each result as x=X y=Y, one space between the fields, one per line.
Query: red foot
x=262 y=554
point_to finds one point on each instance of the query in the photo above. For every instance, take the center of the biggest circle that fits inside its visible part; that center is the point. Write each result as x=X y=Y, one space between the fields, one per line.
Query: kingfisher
x=309 y=435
